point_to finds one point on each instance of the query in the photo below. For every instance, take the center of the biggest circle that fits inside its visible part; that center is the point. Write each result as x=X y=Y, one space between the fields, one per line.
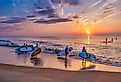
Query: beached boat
x=8 y=43
x=25 y=49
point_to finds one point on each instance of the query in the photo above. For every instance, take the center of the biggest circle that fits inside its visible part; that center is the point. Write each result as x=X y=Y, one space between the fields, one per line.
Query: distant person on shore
x=106 y=41
x=111 y=39
x=116 y=38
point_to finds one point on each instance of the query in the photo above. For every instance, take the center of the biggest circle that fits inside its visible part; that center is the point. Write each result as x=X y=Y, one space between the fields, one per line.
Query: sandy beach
x=11 y=73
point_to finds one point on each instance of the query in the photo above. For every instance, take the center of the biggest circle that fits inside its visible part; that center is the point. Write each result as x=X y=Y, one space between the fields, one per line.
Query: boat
x=8 y=43
x=25 y=49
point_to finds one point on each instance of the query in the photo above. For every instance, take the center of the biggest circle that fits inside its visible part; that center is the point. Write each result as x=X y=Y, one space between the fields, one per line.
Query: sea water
x=109 y=54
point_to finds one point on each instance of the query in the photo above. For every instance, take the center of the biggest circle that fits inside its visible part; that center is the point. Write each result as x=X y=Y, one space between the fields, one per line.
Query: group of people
x=83 y=61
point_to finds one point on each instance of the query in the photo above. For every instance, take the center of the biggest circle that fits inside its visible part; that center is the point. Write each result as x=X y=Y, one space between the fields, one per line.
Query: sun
x=88 y=32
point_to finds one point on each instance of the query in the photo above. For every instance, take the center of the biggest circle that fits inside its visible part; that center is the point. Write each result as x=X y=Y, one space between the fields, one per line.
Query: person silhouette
x=84 y=50
x=66 y=51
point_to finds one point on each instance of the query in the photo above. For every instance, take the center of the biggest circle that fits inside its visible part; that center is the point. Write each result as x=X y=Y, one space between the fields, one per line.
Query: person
x=66 y=51
x=24 y=44
x=83 y=64
x=111 y=39
x=84 y=50
x=56 y=51
x=106 y=41
x=66 y=62
x=84 y=61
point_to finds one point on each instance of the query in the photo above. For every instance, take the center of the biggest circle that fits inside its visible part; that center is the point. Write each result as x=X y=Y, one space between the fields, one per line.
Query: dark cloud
x=13 y=20
x=45 y=12
x=43 y=4
x=72 y=2
x=44 y=7
x=30 y=16
x=56 y=1
x=51 y=21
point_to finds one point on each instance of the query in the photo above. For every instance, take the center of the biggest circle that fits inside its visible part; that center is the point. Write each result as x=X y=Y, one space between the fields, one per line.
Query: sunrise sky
x=87 y=17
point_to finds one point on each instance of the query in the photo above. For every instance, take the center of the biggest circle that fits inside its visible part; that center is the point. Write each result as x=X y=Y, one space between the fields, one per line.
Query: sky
x=60 y=17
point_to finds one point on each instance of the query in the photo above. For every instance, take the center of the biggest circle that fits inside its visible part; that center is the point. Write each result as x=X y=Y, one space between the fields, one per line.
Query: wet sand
x=11 y=73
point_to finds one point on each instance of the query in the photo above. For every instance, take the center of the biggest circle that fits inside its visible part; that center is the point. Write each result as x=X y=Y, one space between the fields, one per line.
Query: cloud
x=73 y=2
x=9 y=28
x=56 y=1
x=44 y=8
x=69 y=2
x=97 y=3
x=51 y=21
x=43 y=4
x=12 y=20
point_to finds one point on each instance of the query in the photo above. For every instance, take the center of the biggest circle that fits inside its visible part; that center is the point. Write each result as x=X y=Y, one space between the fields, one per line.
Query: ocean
x=109 y=54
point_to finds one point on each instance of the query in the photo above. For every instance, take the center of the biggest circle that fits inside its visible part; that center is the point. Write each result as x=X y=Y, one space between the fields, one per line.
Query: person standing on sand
x=84 y=61
x=83 y=64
